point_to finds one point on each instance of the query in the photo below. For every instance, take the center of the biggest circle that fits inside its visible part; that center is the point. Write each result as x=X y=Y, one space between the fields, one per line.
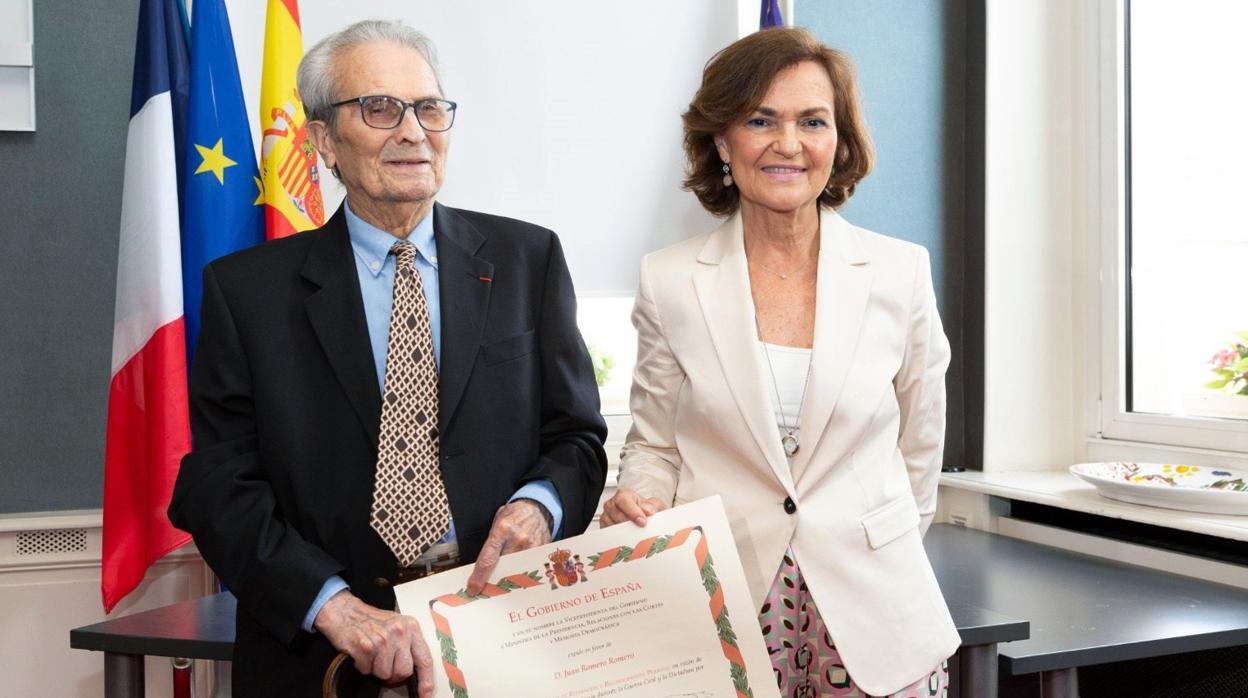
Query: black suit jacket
x=285 y=410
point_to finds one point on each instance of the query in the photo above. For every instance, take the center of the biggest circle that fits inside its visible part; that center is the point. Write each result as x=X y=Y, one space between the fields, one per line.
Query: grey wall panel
x=60 y=204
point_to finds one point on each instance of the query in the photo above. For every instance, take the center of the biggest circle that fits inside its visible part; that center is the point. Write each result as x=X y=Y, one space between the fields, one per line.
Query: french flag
x=148 y=428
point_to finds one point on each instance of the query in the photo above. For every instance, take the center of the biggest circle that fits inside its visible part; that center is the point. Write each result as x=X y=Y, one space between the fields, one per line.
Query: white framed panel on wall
x=17 y=66
x=569 y=113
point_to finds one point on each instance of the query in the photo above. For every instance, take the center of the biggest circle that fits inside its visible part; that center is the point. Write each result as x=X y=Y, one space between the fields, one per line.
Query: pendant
x=790 y=444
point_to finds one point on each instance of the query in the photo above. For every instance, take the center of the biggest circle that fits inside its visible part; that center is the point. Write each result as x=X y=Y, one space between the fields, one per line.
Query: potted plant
x=1227 y=393
x=1230 y=365
x=603 y=363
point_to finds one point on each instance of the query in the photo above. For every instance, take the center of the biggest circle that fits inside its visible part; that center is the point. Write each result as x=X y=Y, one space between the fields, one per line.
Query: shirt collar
x=372 y=244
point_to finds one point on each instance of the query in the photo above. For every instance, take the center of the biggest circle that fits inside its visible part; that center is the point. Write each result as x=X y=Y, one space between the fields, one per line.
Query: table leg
x=977 y=673
x=123 y=675
x=955 y=675
x=1059 y=683
x=183 y=675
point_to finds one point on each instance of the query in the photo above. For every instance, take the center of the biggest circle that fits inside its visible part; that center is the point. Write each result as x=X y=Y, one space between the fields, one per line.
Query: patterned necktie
x=410 y=509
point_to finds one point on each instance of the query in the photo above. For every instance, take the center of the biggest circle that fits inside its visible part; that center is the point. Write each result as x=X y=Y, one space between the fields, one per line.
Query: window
x=1173 y=123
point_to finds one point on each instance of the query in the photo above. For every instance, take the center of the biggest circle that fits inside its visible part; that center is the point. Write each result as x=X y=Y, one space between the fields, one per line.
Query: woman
x=794 y=364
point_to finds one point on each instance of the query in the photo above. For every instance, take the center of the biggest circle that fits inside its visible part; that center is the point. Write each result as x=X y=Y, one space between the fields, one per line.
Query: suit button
x=789 y=505
x=382 y=583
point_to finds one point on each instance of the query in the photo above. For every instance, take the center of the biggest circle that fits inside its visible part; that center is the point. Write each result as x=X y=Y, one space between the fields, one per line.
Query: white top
x=791 y=366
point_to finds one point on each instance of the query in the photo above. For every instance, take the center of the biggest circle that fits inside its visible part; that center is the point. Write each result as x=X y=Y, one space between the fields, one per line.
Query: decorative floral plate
x=1186 y=487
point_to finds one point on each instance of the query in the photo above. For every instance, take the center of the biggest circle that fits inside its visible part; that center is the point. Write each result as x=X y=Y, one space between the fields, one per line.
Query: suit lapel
x=336 y=311
x=465 y=282
x=844 y=287
x=722 y=284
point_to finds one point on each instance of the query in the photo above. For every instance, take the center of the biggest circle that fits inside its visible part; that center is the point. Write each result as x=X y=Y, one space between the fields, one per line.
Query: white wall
x=50 y=583
x=1035 y=209
x=569 y=112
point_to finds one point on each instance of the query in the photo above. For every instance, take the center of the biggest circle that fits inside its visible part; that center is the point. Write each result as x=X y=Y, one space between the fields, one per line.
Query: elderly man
x=398 y=392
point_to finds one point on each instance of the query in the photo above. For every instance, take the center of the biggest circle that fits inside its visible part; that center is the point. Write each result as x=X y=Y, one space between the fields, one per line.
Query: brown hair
x=734 y=83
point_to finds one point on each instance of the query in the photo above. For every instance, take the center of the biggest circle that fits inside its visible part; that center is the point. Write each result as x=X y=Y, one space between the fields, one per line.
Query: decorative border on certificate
x=566 y=569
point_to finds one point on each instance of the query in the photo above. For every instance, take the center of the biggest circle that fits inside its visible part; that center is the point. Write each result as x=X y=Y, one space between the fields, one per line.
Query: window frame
x=1119 y=434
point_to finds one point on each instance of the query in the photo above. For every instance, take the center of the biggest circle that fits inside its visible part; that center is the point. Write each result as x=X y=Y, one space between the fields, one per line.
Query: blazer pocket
x=510 y=348
x=889 y=522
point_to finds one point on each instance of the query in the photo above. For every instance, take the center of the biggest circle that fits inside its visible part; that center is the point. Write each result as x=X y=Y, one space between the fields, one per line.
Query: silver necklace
x=773 y=271
x=783 y=275
x=791 y=443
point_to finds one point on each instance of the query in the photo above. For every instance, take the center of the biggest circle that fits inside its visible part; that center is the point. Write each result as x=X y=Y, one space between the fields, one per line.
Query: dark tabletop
x=201 y=628
x=1083 y=610
x=978 y=626
x=204 y=629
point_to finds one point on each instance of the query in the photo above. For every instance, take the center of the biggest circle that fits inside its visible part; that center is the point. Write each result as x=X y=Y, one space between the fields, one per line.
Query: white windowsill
x=1058 y=488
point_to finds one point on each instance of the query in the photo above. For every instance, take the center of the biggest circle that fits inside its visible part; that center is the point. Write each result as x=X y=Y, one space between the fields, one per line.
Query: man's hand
x=627 y=505
x=386 y=644
x=518 y=525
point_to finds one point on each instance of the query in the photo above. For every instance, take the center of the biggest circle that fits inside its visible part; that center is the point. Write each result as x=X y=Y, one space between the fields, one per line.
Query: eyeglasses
x=384 y=111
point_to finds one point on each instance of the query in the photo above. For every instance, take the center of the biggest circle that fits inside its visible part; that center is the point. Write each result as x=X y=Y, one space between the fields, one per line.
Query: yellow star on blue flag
x=214 y=161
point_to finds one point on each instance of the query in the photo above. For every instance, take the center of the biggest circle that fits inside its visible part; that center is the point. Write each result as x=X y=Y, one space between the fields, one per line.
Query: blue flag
x=162 y=64
x=769 y=15
x=222 y=203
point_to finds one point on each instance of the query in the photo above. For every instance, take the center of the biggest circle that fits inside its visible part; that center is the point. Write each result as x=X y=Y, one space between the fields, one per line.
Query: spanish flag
x=292 y=189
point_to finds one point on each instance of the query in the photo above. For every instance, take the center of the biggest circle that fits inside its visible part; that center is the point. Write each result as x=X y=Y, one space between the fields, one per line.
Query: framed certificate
x=624 y=611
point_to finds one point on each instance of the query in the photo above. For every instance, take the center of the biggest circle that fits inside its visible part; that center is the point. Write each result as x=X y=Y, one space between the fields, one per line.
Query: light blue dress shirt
x=375 y=266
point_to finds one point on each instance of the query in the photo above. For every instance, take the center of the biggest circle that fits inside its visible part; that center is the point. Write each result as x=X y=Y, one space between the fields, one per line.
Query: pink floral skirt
x=806 y=662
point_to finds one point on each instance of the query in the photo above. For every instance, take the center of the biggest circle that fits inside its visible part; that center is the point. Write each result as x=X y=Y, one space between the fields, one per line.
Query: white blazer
x=872 y=425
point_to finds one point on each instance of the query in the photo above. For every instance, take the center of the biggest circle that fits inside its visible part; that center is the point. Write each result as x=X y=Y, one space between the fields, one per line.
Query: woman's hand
x=627 y=505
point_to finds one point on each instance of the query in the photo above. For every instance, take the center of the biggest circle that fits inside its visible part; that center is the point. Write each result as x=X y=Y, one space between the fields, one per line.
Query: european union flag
x=222 y=207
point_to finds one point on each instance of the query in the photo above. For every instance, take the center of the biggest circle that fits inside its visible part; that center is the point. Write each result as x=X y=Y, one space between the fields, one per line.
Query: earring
x=727 y=175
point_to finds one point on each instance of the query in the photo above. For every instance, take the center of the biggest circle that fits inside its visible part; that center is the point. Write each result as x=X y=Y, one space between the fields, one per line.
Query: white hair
x=316 y=75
